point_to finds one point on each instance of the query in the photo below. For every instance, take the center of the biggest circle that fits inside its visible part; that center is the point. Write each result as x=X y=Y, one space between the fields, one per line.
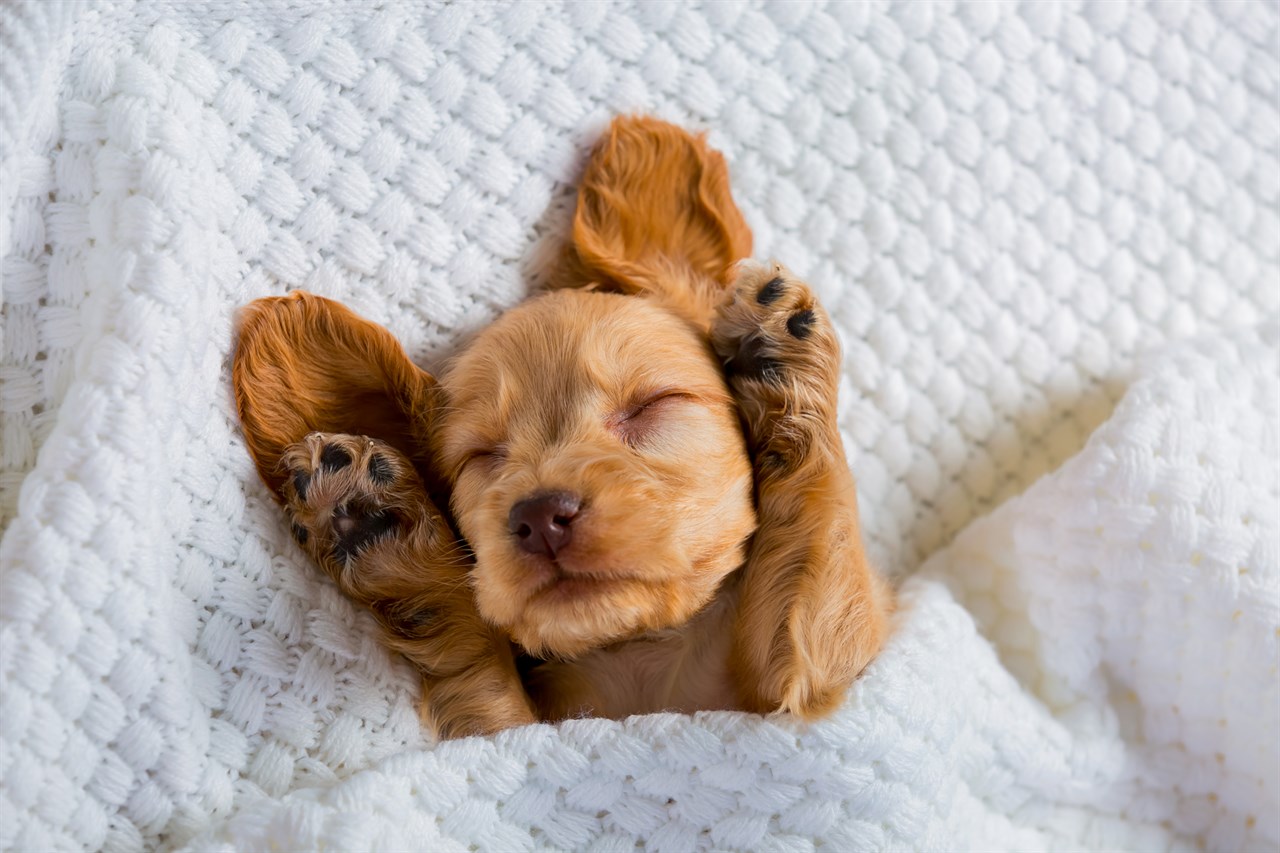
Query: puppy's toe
x=333 y=456
x=800 y=324
x=300 y=480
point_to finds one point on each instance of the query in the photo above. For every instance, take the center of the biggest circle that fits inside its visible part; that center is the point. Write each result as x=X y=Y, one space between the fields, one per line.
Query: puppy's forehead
x=557 y=347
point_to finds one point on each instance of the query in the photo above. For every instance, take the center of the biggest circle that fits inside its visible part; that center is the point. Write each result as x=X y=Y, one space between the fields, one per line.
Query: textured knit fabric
x=1048 y=233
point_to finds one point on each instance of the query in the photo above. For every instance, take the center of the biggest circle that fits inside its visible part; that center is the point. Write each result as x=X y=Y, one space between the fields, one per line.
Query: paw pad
x=800 y=324
x=301 y=480
x=347 y=493
x=771 y=291
x=334 y=458
x=355 y=529
x=380 y=470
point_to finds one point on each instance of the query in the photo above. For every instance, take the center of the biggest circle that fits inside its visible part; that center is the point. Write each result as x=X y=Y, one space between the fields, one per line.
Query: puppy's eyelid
x=627 y=421
x=666 y=394
x=483 y=454
x=651 y=400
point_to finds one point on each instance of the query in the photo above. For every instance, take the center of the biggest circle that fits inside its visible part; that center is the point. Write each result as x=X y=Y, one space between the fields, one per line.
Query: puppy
x=626 y=495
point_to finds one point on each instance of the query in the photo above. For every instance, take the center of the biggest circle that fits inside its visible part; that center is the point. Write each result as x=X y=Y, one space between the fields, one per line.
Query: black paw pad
x=301 y=480
x=801 y=323
x=334 y=458
x=751 y=362
x=354 y=531
x=380 y=470
x=771 y=291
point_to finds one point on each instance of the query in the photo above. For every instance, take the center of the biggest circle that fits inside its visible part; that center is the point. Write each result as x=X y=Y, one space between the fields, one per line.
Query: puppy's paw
x=348 y=495
x=781 y=357
x=360 y=510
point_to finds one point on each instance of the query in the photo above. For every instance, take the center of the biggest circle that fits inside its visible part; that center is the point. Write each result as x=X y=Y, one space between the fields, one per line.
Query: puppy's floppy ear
x=306 y=364
x=655 y=216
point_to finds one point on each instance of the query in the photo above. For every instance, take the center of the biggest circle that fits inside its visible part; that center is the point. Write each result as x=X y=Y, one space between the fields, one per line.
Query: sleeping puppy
x=626 y=495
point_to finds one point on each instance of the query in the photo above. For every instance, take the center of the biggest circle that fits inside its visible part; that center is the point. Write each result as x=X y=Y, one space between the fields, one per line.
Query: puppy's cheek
x=493 y=576
x=488 y=544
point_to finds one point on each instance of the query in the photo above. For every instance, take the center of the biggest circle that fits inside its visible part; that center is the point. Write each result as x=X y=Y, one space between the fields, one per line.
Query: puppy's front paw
x=781 y=357
x=811 y=612
x=347 y=495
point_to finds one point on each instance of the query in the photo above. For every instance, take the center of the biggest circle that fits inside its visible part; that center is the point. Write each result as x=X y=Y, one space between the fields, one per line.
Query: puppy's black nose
x=541 y=524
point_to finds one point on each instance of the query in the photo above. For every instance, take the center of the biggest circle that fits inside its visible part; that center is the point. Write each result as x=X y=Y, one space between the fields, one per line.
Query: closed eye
x=637 y=420
x=484 y=455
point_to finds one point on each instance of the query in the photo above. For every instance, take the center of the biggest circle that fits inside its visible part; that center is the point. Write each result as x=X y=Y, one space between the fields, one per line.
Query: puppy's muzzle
x=542 y=524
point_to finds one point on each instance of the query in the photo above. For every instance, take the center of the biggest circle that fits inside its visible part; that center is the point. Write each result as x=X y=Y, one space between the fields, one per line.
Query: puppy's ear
x=306 y=364
x=655 y=217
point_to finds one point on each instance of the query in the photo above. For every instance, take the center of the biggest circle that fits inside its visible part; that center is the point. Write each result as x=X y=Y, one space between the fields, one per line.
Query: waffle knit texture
x=1048 y=234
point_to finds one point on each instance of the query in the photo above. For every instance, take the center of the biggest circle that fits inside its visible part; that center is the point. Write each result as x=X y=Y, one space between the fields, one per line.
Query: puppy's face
x=598 y=470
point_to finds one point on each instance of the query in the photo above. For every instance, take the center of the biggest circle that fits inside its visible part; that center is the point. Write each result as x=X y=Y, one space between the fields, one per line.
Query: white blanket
x=1003 y=207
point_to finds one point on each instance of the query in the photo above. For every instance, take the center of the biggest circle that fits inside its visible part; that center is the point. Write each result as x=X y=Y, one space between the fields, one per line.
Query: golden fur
x=684 y=565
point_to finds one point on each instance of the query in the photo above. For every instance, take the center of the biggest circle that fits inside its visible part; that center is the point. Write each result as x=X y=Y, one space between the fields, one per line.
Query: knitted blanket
x=1048 y=233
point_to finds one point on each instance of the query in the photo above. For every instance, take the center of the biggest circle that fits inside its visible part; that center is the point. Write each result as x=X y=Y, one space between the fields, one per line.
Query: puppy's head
x=597 y=465
x=598 y=469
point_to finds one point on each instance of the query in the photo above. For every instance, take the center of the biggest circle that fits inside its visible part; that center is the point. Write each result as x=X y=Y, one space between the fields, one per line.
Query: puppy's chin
x=571 y=615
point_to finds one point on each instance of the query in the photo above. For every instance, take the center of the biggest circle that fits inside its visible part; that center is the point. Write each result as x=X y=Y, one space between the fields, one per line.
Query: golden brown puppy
x=623 y=546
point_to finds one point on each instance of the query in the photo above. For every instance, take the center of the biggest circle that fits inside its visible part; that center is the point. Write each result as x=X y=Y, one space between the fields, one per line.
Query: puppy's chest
x=683 y=669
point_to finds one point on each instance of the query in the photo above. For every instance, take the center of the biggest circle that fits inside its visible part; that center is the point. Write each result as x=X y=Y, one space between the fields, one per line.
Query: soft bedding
x=1049 y=235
